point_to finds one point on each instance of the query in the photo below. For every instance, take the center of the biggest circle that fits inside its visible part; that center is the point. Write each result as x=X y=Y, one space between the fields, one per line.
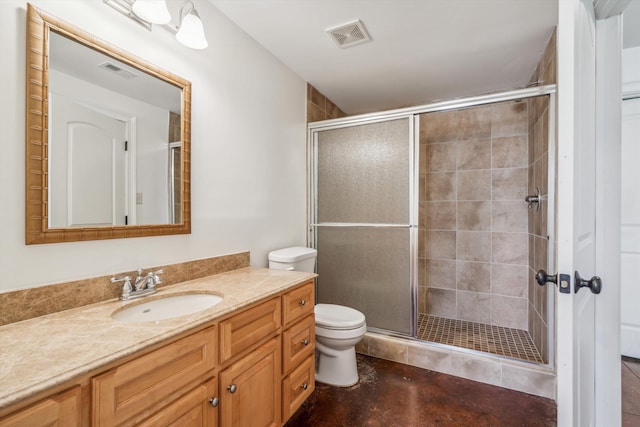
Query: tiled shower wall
x=538 y=327
x=538 y=240
x=473 y=233
x=319 y=107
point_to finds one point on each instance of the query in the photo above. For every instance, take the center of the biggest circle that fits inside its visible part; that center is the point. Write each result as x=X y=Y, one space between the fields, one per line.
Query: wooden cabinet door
x=137 y=389
x=250 y=389
x=192 y=409
x=62 y=410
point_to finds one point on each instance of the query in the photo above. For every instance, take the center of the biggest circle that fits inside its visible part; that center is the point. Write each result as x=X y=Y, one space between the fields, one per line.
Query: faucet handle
x=149 y=282
x=125 y=279
x=126 y=287
x=156 y=279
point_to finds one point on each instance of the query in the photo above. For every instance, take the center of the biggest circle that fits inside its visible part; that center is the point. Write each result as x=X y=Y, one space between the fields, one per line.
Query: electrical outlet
x=138 y=198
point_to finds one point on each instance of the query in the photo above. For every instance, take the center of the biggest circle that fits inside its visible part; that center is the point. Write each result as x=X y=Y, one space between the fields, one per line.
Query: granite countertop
x=43 y=352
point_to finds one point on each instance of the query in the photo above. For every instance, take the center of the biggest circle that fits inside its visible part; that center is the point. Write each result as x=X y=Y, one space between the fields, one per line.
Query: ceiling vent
x=125 y=74
x=350 y=34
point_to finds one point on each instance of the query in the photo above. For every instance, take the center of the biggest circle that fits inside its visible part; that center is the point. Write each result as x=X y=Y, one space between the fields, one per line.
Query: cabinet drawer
x=298 y=342
x=244 y=330
x=61 y=410
x=133 y=391
x=297 y=386
x=298 y=303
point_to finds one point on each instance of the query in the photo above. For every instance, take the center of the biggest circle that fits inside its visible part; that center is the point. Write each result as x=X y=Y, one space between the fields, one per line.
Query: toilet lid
x=338 y=316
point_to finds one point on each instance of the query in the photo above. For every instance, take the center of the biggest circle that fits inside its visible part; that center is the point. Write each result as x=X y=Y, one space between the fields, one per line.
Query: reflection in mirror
x=107 y=140
x=175 y=177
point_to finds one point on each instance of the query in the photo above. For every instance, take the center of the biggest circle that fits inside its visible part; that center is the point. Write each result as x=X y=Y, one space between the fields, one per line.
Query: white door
x=92 y=172
x=575 y=211
x=630 y=230
x=88 y=167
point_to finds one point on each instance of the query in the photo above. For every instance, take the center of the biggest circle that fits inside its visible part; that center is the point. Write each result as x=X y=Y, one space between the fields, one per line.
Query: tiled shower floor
x=498 y=340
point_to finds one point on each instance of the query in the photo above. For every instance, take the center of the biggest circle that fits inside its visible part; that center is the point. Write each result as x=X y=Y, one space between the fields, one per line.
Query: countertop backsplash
x=34 y=302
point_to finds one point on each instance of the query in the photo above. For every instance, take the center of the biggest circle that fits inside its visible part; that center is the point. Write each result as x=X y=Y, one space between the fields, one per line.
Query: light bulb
x=191 y=32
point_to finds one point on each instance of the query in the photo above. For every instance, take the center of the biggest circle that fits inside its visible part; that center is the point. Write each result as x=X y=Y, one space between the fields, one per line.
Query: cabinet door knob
x=305 y=342
x=232 y=388
x=302 y=302
x=304 y=386
x=214 y=401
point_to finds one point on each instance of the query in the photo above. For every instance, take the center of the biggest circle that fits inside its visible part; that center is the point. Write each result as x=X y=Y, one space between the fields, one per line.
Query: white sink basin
x=166 y=308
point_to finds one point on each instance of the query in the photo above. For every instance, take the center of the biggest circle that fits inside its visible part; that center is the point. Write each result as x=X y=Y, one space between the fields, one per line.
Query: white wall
x=630 y=218
x=248 y=148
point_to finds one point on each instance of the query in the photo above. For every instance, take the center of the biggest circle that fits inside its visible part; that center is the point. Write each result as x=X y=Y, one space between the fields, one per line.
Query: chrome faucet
x=142 y=285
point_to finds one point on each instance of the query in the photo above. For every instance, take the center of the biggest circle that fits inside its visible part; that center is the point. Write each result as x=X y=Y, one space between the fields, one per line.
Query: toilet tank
x=295 y=259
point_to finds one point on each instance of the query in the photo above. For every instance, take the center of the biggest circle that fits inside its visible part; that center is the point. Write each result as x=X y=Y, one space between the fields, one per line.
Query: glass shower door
x=362 y=221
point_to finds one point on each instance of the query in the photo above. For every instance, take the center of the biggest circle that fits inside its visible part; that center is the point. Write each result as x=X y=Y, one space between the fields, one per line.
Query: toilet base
x=338 y=369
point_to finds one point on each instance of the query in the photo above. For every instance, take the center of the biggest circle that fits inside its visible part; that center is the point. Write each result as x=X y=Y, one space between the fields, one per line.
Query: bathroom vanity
x=246 y=361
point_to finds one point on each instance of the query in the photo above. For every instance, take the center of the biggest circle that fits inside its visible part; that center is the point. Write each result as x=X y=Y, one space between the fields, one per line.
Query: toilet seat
x=338 y=317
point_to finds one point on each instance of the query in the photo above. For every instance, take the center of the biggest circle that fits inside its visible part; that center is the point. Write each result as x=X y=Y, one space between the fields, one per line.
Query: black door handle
x=595 y=283
x=542 y=278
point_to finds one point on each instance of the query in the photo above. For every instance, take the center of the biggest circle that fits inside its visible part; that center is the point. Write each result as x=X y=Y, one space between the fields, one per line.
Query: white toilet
x=338 y=328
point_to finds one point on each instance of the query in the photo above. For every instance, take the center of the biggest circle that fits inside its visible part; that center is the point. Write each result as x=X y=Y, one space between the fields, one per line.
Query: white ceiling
x=421 y=50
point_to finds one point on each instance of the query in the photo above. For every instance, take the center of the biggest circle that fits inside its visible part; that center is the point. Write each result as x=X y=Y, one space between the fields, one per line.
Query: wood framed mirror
x=102 y=161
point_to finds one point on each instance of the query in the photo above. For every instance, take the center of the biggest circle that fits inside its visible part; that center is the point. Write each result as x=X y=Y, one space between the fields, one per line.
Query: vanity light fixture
x=153 y=11
x=190 y=30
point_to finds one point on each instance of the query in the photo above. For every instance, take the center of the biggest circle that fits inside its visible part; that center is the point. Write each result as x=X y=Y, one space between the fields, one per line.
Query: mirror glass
x=110 y=139
x=107 y=139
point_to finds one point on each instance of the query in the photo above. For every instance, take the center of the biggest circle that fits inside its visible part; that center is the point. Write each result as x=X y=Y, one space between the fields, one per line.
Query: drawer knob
x=232 y=388
x=304 y=386
x=305 y=342
x=214 y=401
x=302 y=302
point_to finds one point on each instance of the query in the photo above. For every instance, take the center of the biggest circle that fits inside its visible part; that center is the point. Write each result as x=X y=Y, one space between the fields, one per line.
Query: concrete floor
x=391 y=394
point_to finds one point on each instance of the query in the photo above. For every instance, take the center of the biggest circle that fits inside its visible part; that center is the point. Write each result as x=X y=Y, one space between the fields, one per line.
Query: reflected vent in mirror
x=125 y=74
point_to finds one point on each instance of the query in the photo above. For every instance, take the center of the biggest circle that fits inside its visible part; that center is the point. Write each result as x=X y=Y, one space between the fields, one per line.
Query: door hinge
x=126 y=146
x=126 y=220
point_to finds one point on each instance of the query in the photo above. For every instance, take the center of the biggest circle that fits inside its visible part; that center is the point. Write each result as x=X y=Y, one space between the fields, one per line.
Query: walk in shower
x=420 y=220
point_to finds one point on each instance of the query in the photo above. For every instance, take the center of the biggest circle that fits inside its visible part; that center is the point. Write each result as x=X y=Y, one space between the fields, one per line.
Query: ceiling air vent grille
x=350 y=34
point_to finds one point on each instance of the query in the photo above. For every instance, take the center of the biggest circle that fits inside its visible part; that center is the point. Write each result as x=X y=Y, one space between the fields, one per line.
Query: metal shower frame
x=412 y=115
